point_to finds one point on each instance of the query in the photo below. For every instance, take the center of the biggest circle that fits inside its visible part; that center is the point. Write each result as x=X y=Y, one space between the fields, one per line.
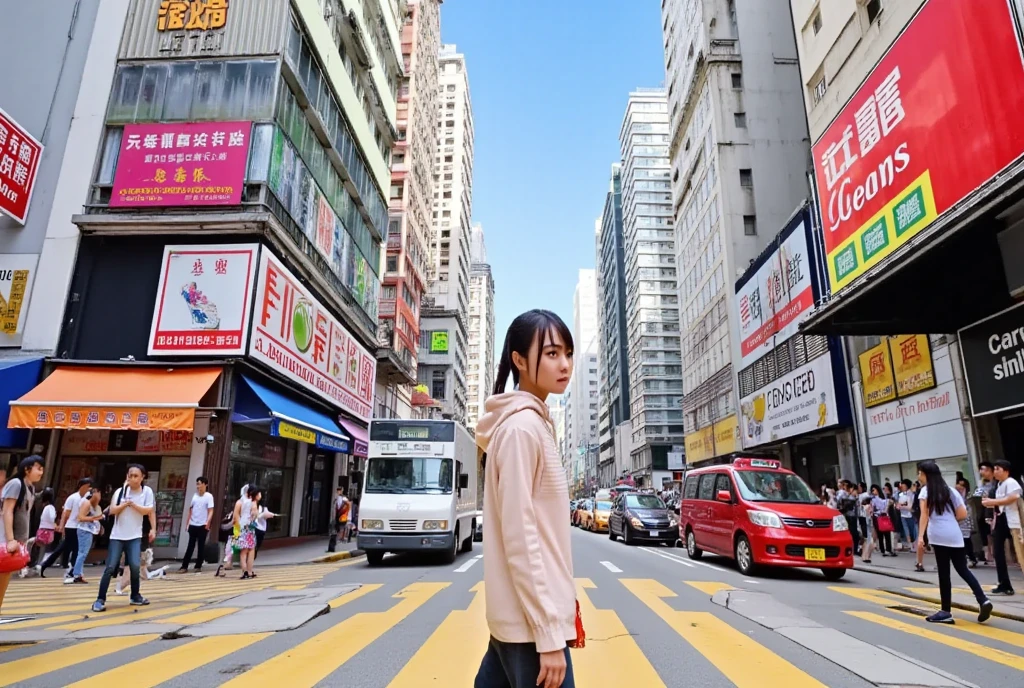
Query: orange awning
x=94 y=398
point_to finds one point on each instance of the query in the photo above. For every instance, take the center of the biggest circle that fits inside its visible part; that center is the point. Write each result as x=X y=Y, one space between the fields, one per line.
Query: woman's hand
x=552 y=669
x=920 y=542
x=12 y=547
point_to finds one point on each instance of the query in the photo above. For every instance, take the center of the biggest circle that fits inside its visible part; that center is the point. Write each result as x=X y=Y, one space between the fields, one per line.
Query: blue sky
x=549 y=81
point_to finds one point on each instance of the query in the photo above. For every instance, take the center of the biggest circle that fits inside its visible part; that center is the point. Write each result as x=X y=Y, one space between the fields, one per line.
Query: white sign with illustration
x=801 y=401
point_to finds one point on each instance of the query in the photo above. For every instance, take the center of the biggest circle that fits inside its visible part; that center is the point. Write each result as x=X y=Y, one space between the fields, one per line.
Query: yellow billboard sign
x=912 y=363
x=714 y=440
x=877 y=376
x=201 y=15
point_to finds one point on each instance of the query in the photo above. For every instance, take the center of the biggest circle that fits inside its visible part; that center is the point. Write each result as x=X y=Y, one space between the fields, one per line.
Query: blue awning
x=256 y=403
x=17 y=377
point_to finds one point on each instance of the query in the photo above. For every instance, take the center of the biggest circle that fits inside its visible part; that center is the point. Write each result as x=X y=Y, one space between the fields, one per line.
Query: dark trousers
x=884 y=539
x=515 y=665
x=132 y=551
x=260 y=534
x=196 y=537
x=68 y=550
x=1000 y=536
x=851 y=522
x=957 y=556
x=969 y=549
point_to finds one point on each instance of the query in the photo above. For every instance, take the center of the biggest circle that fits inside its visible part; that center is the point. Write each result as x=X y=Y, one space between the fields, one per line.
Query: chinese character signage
x=876 y=375
x=937 y=118
x=183 y=164
x=203 y=301
x=295 y=335
x=715 y=440
x=803 y=400
x=439 y=342
x=201 y=15
x=17 y=273
x=993 y=356
x=774 y=300
x=911 y=356
x=20 y=154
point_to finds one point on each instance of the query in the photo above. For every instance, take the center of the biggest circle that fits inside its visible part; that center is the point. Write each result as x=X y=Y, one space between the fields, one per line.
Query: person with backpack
x=131 y=505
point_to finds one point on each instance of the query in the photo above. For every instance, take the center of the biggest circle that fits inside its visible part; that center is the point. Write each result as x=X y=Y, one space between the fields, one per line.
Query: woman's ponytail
x=504 y=368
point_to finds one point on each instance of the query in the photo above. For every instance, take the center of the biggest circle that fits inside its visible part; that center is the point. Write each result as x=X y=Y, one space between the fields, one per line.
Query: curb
x=338 y=556
x=892 y=573
x=958 y=605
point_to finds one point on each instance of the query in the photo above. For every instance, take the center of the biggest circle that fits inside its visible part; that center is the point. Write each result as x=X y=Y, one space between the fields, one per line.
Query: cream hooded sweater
x=528 y=579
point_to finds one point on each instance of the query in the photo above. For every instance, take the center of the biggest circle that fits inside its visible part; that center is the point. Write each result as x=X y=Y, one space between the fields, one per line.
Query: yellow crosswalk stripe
x=996 y=655
x=27 y=668
x=432 y=664
x=709 y=588
x=164 y=666
x=100 y=620
x=313 y=660
x=354 y=595
x=721 y=644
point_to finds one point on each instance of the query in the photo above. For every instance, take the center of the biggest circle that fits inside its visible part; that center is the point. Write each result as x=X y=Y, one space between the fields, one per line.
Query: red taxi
x=760 y=514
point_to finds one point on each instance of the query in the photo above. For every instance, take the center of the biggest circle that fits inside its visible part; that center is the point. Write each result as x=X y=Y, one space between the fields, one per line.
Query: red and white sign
x=937 y=118
x=20 y=154
x=203 y=302
x=295 y=335
x=776 y=298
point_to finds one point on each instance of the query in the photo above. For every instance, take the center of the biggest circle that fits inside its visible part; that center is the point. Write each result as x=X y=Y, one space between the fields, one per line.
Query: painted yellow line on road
x=313 y=660
x=973 y=627
x=462 y=634
x=45 y=621
x=27 y=668
x=710 y=587
x=355 y=594
x=745 y=662
x=99 y=620
x=164 y=666
x=1000 y=656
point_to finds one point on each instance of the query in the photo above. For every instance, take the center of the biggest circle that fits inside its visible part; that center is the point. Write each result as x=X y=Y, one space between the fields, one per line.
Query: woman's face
x=921 y=478
x=95 y=499
x=553 y=370
x=35 y=473
x=874 y=491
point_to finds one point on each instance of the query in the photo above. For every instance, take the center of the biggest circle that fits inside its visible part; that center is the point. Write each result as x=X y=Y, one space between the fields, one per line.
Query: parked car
x=642 y=518
x=761 y=514
x=582 y=506
x=596 y=518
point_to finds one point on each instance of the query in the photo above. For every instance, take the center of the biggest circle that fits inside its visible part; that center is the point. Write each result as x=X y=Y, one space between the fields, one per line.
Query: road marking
x=200 y=616
x=463 y=631
x=164 y=666
x=748 y=580
x=709 y=587
x=27 y=668
x=978 y=649
x=611 y=567
x=721 y=644
x=354 y=595
x=313 y=660
x=667 y=556
x=465 y=567
x=98 y=620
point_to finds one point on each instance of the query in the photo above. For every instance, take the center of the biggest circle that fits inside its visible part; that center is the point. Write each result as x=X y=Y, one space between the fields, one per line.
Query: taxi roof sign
x=757 y=463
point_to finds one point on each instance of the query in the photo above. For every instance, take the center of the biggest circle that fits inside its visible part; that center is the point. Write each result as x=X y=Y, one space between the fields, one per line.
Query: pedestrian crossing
x=433 y=633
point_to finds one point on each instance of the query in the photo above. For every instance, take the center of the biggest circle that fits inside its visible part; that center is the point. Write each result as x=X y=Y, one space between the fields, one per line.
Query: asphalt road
x=650 y=620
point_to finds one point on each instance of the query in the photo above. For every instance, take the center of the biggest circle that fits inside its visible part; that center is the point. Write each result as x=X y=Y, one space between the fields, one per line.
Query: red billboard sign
x=937 y=118
x=181 y=164
x=20 y=154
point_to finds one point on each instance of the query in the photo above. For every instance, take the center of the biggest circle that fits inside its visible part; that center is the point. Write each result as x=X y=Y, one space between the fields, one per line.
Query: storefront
x=17 y=376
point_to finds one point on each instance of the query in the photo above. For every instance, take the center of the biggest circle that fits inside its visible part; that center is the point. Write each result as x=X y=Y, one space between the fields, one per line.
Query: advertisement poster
x=877 y=376
x=993 y=356
x=20 y=154
x=17 y=274
x=715 y=440
x=203 y=301
x=439 y=342
x=911 y=356
x=295 y=335
x=927 y=128
x=800 y=401
x=777 y=297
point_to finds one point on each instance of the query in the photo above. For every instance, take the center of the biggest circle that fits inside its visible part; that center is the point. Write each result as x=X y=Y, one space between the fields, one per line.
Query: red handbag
x=10 y=563
x=581 y=635
x=884 y=523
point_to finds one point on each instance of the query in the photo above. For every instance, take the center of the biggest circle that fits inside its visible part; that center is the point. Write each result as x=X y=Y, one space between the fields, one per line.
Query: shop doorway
x=1011 y=430
x=319 y=494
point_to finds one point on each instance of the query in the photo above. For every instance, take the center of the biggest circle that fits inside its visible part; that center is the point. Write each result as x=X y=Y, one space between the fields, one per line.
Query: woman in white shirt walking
x=89 y=517
x=942 y=509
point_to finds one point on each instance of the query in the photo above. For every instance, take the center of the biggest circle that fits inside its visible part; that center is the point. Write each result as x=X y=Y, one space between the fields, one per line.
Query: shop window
x=125 y=95
x=178 y=102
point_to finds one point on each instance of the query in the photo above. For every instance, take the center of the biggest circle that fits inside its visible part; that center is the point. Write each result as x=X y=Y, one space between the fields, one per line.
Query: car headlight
x=839 y=523
x=435 y=525
x=673 y=521
x=765 y=518
x=372 y=524
x=637 y=523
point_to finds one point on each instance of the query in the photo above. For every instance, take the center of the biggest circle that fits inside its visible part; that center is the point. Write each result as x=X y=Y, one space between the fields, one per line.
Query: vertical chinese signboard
x=911 y=363
x=188 y=163
x=17 y=272
x=295 y=335
x=936 y=119
x=204 y=298
x=20 y=154
x=876 y=374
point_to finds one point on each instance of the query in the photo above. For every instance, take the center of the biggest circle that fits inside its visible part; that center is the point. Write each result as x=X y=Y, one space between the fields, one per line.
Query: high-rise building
x=582 y=398
x=410 y=205
x=739 y=155
x=613 y=362
x=445 y=313
x=652 y=292
x=481 y=368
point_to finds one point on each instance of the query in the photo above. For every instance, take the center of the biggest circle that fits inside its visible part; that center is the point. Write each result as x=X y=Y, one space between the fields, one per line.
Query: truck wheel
x=374 y=557
x=467 y=544
x=449 y=556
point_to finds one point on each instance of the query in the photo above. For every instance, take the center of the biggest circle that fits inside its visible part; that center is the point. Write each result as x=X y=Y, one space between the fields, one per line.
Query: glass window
x=723 y=484
x=178 y=100
x=108 y=157
x=152 y=92
x=233 y=93
x=262 y=88
x=404 y=475
x=774 y=486
x=127 y=83
x=707 y=486
x=209 y=85
x=642 y=501
x=259 y=152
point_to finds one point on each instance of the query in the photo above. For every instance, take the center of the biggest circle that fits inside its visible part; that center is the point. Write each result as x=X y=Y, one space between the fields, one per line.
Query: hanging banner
x=911 y=356
x=877 y=376
x=20 y=154
x=803 y=400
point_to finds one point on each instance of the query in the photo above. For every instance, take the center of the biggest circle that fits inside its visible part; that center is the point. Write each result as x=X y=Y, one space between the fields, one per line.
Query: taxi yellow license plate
x=814 y=554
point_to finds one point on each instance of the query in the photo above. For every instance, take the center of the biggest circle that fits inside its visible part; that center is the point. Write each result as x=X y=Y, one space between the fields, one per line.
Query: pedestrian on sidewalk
x=870 y=535
x=130 y=505
x=1008 y=523
x=986 y=515
x=967 y=525
x=47 y=527
x=90 y=516
x=906 y=507
x=881 y=521
x=200 y=517
x=942 y=510
x=846 y=503
x=262 y=514
x=16 y=500
x=528 y=576
x=245 y=539
x=68 y=528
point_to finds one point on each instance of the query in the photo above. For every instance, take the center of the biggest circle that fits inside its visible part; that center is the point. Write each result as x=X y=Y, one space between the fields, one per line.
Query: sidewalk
x=902 y=567
x=291 y=551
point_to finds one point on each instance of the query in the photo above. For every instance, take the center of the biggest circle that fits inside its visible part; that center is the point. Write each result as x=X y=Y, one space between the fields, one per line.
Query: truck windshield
x=401 y=475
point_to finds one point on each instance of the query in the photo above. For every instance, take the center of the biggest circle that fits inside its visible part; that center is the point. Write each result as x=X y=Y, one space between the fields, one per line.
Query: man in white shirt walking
x=129 y=505
x=1008 y=524
x=200 y=516
x=68 y=527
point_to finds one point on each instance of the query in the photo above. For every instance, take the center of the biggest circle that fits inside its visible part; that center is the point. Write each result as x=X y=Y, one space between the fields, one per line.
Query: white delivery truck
x=419 y=489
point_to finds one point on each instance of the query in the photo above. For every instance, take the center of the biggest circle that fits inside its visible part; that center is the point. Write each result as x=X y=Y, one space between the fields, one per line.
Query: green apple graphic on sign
x=302 y=325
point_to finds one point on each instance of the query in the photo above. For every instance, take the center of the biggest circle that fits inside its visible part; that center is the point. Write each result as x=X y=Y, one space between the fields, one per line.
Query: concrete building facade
x=482 y=365
x=582 y=396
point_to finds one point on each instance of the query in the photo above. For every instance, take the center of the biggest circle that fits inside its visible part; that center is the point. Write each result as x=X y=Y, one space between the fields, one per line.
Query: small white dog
x=145 y=561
